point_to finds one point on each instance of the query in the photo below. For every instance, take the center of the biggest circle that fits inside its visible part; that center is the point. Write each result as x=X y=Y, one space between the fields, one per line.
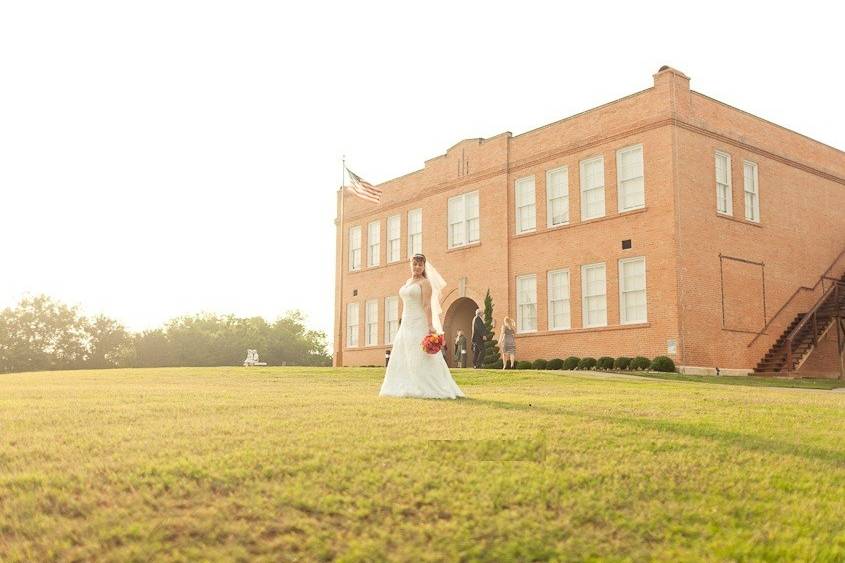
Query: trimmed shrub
x=540 y=364
x=523 y=365
x=495 y=365
x=557 y=363
x=640 y=363
x=571 y=362
x=587 y=363
x=662 y=363
x=605 y=362
x=622 y=362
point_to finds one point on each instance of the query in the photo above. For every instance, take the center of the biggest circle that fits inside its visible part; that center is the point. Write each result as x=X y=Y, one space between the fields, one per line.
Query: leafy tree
x=107 y=340
x=41 y=334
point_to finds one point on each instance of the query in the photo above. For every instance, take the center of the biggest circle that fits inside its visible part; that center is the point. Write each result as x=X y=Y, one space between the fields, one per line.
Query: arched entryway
x=459 y=317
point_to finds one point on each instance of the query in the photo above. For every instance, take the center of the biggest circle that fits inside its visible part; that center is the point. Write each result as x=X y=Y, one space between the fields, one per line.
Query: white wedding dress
x=411 y=372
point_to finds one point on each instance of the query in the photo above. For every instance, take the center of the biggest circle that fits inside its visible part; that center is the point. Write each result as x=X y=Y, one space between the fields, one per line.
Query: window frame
x=465 y=221
x=549 y=213
x=371 y=262
x=353 y=249
x=398 y=239
x=755 y=218
x=518 y=183
x=411 y=235
x=567 y=299
x=349 y=326
x=623 y=320
x=370 y=323
x=519 y=316
x=581 y=180
x=729 y=211
x=584 y=308
x=620 y=198
x=390 y=335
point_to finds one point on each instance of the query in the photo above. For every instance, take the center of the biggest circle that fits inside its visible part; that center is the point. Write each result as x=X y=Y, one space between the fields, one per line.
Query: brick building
x=663 y=223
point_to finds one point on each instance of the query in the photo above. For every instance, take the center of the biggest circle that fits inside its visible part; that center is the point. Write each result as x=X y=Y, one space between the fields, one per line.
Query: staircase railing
x=820 y=283
x=836 y=290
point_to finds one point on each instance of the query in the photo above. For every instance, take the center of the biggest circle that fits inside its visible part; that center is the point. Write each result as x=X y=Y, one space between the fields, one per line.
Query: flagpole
x=340 y=273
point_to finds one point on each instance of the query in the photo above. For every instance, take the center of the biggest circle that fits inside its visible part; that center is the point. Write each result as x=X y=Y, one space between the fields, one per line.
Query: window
x=632 y=302
x=526 y=216
x=557 y=194
x=526 y=303
x=393 y=233
x=371 y=334
x=463 y=219
x=414 y=232
x=629 y=171
x=355 y=248
x=592 y=188
x=594 y=295
x=752 y=197
x=558 y=289
x=723 y=184
x=373 y=243
x=351 y=325
x=391 y=318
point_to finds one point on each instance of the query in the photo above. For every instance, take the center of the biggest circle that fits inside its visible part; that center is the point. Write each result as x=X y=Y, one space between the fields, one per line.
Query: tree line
x=43 y=334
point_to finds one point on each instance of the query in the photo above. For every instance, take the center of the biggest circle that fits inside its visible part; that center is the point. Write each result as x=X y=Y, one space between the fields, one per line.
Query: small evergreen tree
x=492 y=359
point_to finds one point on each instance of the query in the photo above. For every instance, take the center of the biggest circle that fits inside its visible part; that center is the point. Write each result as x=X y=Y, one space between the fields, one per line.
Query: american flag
x=362 y=188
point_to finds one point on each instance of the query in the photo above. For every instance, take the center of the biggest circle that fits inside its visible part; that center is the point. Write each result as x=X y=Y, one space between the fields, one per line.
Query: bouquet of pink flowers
x=432 y=343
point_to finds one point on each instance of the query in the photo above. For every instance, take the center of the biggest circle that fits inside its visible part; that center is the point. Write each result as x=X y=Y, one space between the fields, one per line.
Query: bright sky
x=161 y=158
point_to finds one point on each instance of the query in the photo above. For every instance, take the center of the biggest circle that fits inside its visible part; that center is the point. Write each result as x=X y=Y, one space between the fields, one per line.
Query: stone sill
x=572 y=225
x=738 y=220
x=464 y=247
x=581 y=330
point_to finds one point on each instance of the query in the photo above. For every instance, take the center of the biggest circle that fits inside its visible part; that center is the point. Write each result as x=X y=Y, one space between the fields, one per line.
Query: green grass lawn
x=307 y=464
x=750 y=381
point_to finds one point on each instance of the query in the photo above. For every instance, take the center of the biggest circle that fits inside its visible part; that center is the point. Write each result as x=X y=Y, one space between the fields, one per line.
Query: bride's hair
x=419 y=259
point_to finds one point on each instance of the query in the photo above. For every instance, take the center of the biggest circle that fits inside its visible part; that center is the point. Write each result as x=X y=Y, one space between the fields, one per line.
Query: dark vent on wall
x=354 y=293
x=626 y=244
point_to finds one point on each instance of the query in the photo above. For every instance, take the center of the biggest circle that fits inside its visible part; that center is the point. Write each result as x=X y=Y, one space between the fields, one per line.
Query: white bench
x=252 y=359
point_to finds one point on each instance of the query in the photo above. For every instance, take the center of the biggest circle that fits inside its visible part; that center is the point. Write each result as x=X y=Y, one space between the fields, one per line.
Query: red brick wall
x=823 y=361
x=799 y=235
x=712 y=305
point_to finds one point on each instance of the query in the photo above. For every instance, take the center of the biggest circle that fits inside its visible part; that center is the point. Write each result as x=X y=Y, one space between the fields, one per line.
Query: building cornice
x=547 y=156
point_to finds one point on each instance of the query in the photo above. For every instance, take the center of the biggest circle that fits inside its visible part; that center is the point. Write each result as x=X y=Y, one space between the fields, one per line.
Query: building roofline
x=748 y=113
x=579 y=114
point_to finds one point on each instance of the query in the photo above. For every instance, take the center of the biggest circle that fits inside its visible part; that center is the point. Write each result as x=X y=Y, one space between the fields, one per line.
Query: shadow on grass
x=727 y=437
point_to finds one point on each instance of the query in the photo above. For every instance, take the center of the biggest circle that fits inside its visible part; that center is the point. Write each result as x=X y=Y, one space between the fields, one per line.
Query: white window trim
x=398 y=237
x=549 y=298
x=517 y=220
x=619 y=197
x=756 y=191
x=730 y=194
x=519 y=329
x=622 y=319
x=565 y=171
x=367 y=323
x=388 y=339
x=466 y=220
x=584 y=309
x=352 y=267
x=373 y=262
x=410 y=246
x=357 y=330
x=582 y=165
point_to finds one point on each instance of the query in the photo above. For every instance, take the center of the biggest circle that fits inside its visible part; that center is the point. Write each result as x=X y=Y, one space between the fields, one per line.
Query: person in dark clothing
x=479 y=335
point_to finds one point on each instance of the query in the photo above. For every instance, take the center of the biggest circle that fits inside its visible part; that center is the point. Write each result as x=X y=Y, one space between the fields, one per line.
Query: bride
x=411 y=372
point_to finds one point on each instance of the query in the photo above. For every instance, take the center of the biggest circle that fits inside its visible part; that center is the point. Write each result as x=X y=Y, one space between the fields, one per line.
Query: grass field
x=309 y=464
